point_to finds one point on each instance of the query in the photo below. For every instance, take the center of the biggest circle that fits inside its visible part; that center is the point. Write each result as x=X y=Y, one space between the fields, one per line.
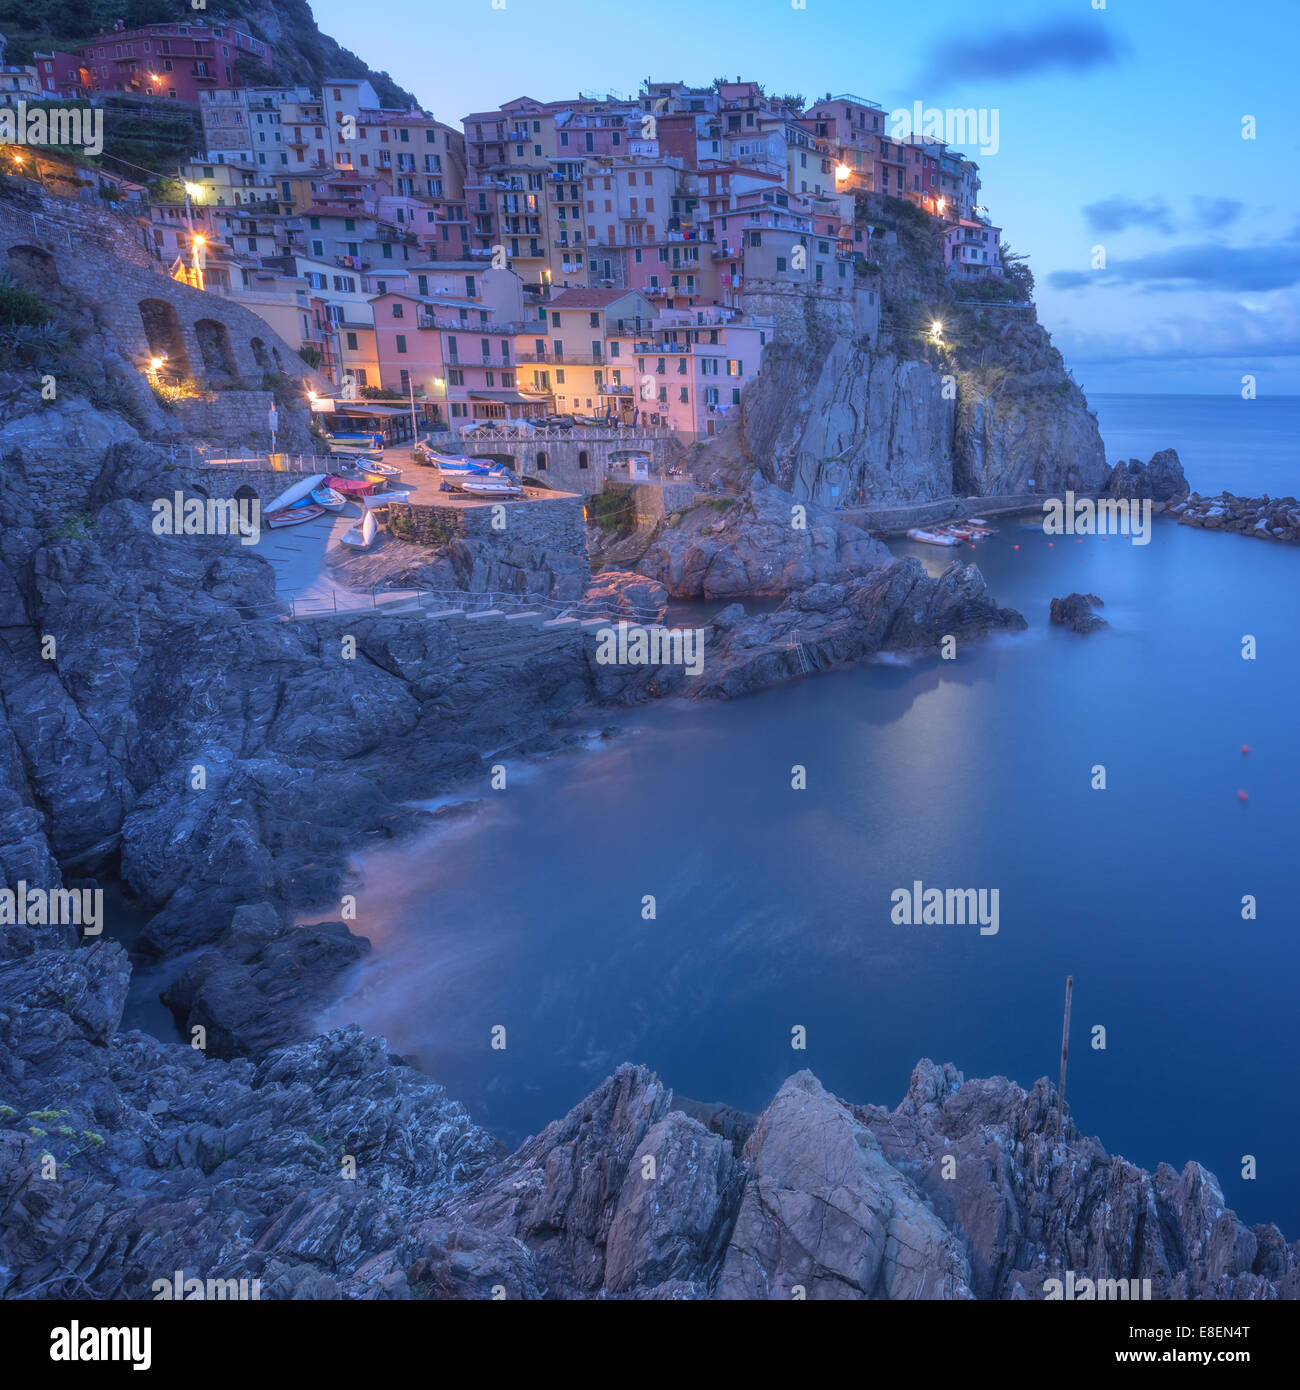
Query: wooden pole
x=1065 y=1048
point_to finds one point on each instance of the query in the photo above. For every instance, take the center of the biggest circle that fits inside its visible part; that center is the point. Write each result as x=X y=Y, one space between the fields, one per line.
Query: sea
x=675 y=892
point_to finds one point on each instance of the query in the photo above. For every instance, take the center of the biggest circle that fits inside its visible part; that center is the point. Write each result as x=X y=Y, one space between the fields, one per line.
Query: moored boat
x=931 y=537
x=329 y=498
x=382 y=499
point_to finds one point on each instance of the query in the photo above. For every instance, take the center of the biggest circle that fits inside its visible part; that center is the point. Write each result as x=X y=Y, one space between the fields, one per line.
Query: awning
x=506 y=397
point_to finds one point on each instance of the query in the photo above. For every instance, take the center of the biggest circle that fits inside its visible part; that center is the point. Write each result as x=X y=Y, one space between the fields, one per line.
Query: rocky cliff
x=328 y=1169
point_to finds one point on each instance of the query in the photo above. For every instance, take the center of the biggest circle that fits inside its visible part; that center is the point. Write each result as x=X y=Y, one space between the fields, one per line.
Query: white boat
x=489 y=487
x=328 y=498
x=362 y=535
x=382 y=499
x=295 y=492
x=931 y=537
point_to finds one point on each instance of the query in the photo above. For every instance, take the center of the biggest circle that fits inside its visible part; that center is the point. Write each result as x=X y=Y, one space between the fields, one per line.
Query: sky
x=1166 y=247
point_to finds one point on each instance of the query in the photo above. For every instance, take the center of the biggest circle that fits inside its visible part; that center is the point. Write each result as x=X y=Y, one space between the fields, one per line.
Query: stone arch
x=260 y=354
x=33 y=267
x=584 y=459
x=244 y=493
x=166 y=338
x=214 y=345
x=541 y=460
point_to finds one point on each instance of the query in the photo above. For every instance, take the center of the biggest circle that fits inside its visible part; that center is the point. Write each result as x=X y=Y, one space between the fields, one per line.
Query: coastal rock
x=1161 y=480
x=1264 y=518
x=258 y=988
x=896 y=608
x=824 y=1212
x=754 y=548
x=1075 y=612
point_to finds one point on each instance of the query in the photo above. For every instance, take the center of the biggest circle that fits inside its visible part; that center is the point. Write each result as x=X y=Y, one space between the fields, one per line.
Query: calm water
x=774 y=904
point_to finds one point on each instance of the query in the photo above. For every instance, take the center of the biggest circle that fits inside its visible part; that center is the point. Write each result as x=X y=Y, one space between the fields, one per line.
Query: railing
x=623 y=433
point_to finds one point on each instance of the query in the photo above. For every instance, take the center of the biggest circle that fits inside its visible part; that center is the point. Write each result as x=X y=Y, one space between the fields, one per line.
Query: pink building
x=972 y=251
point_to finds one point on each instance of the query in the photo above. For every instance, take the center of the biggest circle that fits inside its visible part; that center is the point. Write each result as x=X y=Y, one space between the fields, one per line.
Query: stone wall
x=99 y=257
x=853 y=313
x=240 y=419
x=550 y=523
x=652 y=501
x=564 y=461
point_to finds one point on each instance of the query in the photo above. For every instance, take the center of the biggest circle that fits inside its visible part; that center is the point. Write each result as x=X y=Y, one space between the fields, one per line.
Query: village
x=600 y=262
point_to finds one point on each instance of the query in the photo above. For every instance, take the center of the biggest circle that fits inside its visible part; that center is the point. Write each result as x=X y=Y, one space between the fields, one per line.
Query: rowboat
x=931 y=537
x=379 y=472
x=329 y=498
x=382 y=499
x=294 y=516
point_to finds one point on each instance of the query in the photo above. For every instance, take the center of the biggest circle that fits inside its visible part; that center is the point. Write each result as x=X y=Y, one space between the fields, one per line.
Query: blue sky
x=1118 y=127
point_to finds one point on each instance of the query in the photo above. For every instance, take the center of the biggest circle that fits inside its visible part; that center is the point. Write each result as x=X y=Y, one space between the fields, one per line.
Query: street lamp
x=198 y=241
x=936 y=331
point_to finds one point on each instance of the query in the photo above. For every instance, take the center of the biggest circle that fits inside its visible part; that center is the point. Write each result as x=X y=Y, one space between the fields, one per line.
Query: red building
x=63 y=74
x=170 y=60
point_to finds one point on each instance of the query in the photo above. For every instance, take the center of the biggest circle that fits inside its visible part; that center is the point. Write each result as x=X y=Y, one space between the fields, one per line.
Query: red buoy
x=1245 y=748
x=1241 y=796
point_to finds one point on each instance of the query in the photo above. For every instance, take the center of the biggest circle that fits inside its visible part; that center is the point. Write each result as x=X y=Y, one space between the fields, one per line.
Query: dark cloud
x=1116 y=214
x=1217 y=213
x=1073 y=45
x=1208 y=266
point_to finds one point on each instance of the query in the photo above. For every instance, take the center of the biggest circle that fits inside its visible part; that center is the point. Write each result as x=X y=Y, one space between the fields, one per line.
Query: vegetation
x=20 y=306
x=71 y=528
x=612 y=509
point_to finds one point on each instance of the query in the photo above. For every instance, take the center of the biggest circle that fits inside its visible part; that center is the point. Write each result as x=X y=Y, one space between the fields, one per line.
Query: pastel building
x=178 y=61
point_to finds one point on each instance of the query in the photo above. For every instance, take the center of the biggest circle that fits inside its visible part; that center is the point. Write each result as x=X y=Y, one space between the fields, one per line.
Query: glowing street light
x=842 y=171
x=194 y=190
x=936 y=331
x=199 y=241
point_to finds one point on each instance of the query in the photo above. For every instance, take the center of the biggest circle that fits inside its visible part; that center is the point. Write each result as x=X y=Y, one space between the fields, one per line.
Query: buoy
x=1241 y=796
x=1015 y=547
x=1245 y=748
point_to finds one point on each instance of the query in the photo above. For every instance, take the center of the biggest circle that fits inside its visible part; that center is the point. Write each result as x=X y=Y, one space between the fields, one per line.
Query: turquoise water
x=773 y=905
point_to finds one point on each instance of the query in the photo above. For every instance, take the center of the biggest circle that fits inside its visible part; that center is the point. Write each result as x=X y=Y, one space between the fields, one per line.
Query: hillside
x=302 y=53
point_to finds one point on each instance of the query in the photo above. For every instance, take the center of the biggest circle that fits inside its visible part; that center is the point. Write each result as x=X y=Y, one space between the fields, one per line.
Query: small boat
x=490 y=487
x=379 y=472
x=295 y=493
x=458 y=463
x=294 y=516
x=382 y=499
x=931 y=537
x=362 y=535
x=329 y=498
x=356 y=439
x=349 y=486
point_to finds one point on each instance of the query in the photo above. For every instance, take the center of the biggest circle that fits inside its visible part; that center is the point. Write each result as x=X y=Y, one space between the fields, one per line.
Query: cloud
x=1074 y=45
x=1217 y=213
x=1231 y=334
x=1117 y=214
x=1207 y=265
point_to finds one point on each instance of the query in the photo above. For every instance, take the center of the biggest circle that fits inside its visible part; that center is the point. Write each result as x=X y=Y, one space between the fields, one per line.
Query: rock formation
x=1161 y=479
x=328 y=1169
x=1075 y=612
x=899 y=608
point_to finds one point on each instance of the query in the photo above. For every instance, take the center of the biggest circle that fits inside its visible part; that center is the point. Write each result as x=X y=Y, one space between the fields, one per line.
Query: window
x=780 y=263
x=352 y=342
x=735 y=368
x=594 y=320
x=456 y=377
x=541 y=460
x=399 y=310
x=584 y=459
x=684 y=395
x=401 y=342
